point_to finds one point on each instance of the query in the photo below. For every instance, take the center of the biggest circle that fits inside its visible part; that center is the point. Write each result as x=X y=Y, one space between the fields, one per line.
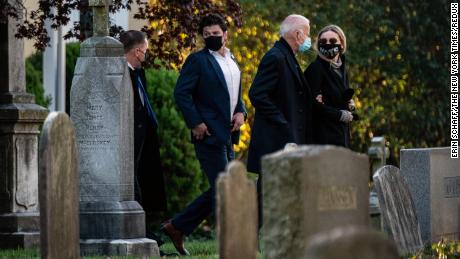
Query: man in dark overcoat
x=281 y=97
x=149 y=186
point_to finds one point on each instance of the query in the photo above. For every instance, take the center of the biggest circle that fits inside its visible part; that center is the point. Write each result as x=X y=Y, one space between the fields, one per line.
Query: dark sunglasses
x=331 y=41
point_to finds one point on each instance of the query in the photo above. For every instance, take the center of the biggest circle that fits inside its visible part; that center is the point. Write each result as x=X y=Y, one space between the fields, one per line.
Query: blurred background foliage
x=398 y=62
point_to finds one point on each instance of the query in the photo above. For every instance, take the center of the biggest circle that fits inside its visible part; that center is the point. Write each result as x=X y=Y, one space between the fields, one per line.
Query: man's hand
x=200 y=130
x=319 y=98
x=237 y=121
x=351 y=105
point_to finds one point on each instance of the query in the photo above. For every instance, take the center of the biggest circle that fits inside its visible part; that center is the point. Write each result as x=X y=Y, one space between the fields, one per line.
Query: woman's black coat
x=327 y=127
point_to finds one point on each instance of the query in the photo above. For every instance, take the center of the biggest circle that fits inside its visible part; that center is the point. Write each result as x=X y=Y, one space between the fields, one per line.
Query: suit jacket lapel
x=221 y=77
x=218 y=70
x=291 y=62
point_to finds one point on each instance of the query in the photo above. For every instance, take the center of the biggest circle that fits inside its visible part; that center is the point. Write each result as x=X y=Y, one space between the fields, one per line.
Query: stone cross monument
x=378 y=153
x=20 y=120
x=101 y=107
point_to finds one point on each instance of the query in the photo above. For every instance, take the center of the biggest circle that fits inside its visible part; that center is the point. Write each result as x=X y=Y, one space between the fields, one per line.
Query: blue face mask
x=305 y=45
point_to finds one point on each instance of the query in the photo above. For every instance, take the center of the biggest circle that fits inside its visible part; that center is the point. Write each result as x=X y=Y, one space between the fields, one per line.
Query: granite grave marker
x=399 y=217
x=58 y=192
x=308 y=190
x=433 y=179
x=236 y=214
x=20 y=121
x=111 y=221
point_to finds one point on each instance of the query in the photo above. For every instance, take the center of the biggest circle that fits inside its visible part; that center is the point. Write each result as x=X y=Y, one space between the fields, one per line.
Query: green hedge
x=184 y=180
x=34 y=74
x=34 y=79
x=72 y=52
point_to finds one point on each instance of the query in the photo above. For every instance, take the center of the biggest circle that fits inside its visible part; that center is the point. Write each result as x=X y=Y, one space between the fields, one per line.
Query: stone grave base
x=119 y=247
x=114 y=228
x=19 y=230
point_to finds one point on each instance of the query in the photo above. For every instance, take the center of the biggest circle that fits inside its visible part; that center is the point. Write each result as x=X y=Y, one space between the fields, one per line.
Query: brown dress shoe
x=176 y=237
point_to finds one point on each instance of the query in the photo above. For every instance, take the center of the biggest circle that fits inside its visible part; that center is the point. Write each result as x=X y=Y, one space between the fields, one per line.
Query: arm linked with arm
x=314 y=77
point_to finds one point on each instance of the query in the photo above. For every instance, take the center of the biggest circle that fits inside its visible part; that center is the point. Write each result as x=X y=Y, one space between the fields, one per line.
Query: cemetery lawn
x=207 y=249
x=198 y=249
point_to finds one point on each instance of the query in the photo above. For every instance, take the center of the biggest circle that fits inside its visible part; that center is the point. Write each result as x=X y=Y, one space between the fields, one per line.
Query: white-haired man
x=281 y=96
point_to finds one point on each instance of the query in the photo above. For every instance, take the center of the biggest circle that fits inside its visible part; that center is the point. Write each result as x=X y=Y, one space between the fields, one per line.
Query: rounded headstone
x=58 y=189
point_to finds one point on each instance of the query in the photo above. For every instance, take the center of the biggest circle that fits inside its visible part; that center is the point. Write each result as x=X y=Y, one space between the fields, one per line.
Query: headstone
x=111 y=221
x=20 y=121
x=378 y=153
x=58 y=189
x=433 y=179
x=398 y=209
x=236 y=214
x=309 y=190
x=351 y=243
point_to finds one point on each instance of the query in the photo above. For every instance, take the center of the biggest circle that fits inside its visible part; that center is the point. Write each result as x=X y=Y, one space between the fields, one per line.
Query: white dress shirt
x=232 y=76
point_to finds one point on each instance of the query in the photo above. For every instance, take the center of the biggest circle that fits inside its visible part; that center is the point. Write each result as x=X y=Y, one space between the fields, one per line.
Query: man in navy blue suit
x=208 y=92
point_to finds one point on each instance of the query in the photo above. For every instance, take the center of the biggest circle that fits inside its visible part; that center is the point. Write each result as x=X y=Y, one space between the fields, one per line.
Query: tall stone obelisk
x=101 y=107
x=20 y=120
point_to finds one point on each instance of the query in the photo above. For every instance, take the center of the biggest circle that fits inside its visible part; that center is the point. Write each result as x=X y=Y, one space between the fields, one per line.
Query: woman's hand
x=346 y=117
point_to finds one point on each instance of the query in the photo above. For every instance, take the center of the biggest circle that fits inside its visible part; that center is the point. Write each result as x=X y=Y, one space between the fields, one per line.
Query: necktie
x=146 y=102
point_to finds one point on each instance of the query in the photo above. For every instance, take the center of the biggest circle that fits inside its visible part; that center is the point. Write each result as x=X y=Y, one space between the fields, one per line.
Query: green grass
x=19 y=253
x=198 y=250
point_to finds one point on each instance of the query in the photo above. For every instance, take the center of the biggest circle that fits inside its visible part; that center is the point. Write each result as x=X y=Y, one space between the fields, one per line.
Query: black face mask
x=329 y=50
x=213 y=43
x=146 y=56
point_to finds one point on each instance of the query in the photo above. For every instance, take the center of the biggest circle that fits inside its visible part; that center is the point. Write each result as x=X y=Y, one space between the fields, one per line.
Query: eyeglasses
x=331 y=41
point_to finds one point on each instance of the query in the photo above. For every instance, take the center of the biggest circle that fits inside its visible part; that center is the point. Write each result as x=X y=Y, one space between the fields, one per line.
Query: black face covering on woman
x=330 y=50
x=213 y=43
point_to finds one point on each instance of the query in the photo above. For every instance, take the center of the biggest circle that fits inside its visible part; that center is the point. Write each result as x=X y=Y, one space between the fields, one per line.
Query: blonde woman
x=328 y=79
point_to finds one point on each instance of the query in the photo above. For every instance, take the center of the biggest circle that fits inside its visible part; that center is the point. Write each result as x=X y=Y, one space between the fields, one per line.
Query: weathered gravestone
x=378 y=153
x=236 y=214
x=20 y=120
x=399 y=217
x=58 y=189
x=350 y=243
x=111 y=221
x=433 y=179
x=308 y=190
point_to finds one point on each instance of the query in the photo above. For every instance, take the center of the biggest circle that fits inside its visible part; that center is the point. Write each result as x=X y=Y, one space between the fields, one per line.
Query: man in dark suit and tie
x=208 y=92
x=281 y=97
x=149 y=181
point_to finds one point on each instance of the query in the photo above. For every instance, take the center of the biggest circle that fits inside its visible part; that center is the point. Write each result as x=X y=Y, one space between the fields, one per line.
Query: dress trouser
x=213 y=160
